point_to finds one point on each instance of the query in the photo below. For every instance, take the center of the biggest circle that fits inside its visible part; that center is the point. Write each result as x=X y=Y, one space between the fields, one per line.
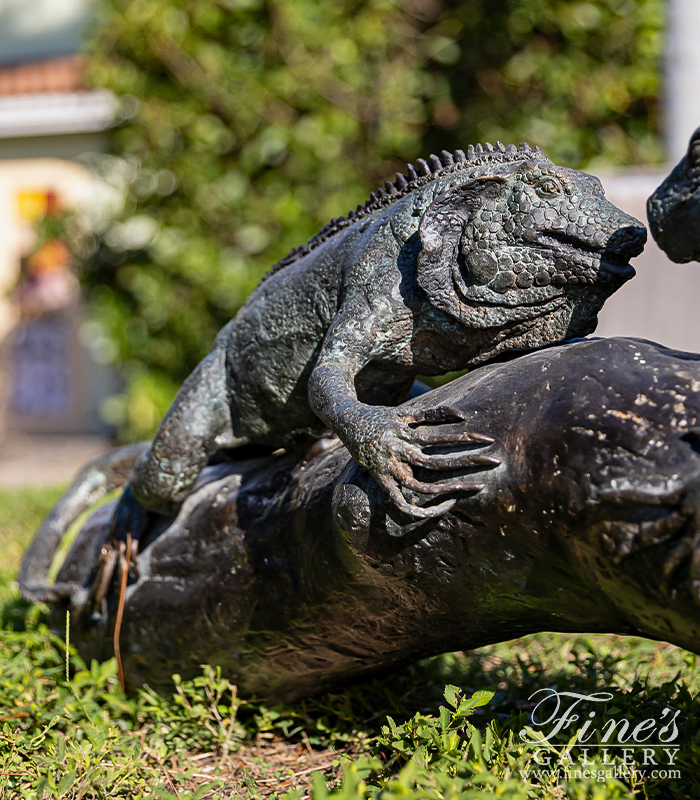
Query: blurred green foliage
x=580 y=79
x=248 y=124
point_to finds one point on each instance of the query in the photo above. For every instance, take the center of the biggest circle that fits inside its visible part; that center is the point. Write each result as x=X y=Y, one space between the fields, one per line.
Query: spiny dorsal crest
x=427 y=171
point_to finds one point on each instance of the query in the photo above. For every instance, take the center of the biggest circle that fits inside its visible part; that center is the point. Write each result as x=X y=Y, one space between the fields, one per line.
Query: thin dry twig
x=120 y=608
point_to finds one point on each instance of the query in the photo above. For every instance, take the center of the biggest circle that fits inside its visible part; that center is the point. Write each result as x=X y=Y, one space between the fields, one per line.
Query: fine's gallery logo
x=573 y=733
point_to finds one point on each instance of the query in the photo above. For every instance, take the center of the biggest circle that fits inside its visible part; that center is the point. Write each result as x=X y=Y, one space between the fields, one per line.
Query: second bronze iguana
x=674 y=208
x=466 y=257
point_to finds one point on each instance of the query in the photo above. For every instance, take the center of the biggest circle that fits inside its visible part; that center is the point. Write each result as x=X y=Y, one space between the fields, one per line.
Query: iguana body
x=470 y=256
x=492 y=251
x=674 y=208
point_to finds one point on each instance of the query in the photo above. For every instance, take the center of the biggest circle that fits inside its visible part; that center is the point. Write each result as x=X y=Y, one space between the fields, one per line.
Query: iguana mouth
x=554 y=240
x=621 y=270
x=599 y=258
x=547 y=303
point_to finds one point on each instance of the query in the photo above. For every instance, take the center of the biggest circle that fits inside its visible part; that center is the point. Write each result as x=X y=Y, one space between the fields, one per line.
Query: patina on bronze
x=297 y=576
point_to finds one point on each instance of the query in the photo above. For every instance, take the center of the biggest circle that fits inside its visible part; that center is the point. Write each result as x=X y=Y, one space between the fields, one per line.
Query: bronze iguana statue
x=464 y=258
x=674 y=208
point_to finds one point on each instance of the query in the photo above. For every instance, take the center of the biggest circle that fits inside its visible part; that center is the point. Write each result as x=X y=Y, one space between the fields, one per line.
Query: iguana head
x=674 y=208
x=529 y=247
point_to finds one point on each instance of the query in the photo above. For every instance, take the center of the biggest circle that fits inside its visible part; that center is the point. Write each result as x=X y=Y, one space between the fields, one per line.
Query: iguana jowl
x=473 y=254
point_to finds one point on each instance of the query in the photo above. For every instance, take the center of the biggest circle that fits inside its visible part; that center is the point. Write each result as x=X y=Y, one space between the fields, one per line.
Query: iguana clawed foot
x=393 y=445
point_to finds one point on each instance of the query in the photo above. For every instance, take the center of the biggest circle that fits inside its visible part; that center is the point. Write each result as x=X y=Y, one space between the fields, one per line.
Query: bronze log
x=298 y=576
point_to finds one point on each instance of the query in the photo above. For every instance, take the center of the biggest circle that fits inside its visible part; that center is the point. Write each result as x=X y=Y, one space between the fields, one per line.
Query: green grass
x=448 y=727
x=21 y=512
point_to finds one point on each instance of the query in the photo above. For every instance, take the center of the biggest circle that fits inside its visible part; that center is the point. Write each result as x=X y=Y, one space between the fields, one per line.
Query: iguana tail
x=93 y=482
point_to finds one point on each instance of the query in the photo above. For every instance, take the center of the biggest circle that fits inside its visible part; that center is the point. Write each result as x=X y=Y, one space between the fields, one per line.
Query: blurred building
x=47 y=121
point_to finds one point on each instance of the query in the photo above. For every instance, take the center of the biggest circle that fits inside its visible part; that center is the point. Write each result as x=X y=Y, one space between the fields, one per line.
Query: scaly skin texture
x=470 y=256
x=674 y=208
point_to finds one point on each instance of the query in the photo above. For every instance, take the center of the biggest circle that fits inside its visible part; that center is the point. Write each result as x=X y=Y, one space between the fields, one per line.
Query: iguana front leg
x=388 y=441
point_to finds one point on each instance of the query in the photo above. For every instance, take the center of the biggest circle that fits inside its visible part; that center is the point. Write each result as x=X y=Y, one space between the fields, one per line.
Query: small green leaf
x=445 y=718
x=452 y=695
x=482 y=697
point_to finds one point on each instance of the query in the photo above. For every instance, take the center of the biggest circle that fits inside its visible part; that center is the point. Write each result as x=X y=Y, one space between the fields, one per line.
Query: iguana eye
x=549 y=186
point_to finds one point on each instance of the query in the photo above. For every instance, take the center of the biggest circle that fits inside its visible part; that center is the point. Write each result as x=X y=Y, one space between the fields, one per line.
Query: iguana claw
x=401 y=446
